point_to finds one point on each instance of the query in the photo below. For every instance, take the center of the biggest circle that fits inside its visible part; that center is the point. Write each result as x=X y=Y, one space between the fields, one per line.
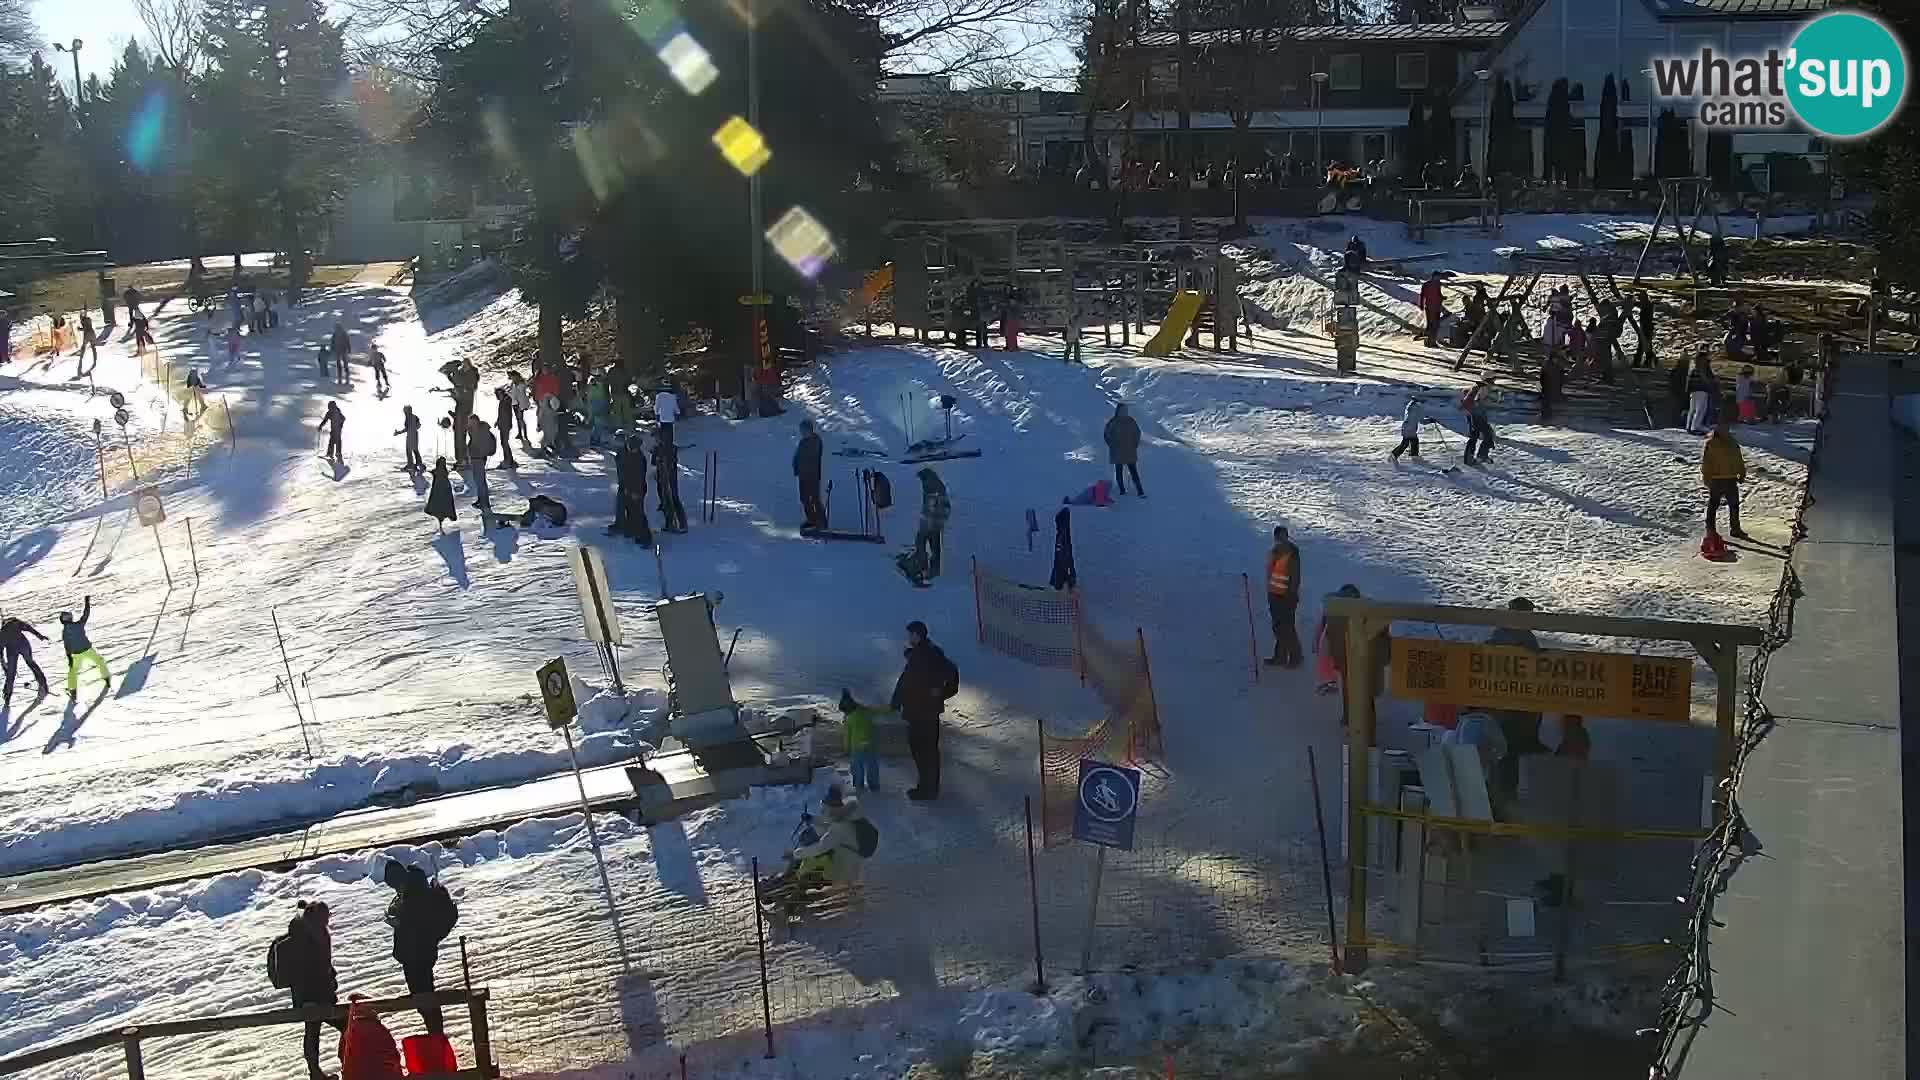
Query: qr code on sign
x=1426 y=669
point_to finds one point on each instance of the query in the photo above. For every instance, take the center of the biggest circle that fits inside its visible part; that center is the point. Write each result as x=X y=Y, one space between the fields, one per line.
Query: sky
x=105 y=26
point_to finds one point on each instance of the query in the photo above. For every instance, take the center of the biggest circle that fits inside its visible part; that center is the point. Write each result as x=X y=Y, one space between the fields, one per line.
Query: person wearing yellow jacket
x=1723 y=469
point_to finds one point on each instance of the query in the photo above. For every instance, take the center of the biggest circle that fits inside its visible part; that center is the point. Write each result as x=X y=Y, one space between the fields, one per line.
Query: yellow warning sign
x=556 y=689
x=1542 y=680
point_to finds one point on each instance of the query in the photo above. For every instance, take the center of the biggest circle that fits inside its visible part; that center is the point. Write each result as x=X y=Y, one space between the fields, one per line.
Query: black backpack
x=868 y=837
x=882 y=489
x=442 y=913
x=951 y=685
x=277 y=972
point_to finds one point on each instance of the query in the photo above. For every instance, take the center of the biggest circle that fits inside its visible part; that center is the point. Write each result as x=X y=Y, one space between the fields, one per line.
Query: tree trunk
x=290 y=243
x=549 y=311
x=1183 y=158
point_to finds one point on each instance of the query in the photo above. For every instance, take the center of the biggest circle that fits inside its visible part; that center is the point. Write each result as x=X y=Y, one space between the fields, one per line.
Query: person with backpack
x=80 y=650
x=300 y=962
x=862 y=759
x=920 y=695
x=806 y=468
x=844 y=848
x=422 y=914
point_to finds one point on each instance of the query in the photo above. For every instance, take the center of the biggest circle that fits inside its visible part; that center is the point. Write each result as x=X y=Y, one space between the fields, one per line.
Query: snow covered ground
x=414 y=656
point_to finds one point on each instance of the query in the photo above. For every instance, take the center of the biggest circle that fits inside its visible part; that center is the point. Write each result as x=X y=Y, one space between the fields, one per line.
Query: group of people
x=421 y=914
x=16 y=650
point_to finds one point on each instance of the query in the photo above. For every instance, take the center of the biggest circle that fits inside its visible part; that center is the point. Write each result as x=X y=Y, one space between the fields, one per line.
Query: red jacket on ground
x=367 y=1051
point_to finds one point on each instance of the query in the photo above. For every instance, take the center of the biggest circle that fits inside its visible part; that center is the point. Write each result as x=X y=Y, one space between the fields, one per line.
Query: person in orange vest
x=1283 y=599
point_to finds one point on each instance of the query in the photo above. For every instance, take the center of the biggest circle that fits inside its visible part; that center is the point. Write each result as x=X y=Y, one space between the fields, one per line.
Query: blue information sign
x=1108 y=803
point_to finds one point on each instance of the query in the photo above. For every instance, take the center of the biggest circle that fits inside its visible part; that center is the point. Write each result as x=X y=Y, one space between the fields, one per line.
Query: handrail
x=132 y=1035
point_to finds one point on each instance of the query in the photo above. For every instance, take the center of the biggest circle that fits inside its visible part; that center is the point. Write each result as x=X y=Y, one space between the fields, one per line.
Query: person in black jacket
x=15 y=647
x=340 y=347
x=1643 y=353
x=503 y=423
x=806 y=466
x=630 y=492
x=410 y=427
x=334 y=419
x=666 y=482
x=1123 y=449
x=422 y=915
x=1065 y=576
x=303 y=959
x=920 y=696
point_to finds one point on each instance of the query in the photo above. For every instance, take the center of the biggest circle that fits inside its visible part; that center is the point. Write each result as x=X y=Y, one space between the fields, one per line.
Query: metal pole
x=756 y=210
x=466 y=969
x=1033 y=892
x=760 y=938
x=1326 y=869
x=1093 y=911
x=599 y=860
x=161 y=548
x=128 y=443
x=292 y=687
x=191 y=551
x=1253 y=643
x=100 y=459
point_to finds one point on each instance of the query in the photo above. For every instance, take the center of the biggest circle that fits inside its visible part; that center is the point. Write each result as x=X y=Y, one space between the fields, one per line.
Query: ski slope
x=414 y=652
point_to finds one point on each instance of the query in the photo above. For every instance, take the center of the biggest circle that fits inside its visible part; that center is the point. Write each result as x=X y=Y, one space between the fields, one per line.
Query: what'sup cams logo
x=1843 y=76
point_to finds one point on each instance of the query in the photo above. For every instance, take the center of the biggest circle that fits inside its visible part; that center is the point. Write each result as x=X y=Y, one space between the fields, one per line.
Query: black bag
x=868 y=837
x=882 y=489
x=951 y=685
x=442 y=911
x=277 y=972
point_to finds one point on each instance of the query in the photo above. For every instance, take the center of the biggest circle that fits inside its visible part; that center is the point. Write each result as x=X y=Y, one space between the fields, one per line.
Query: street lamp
x=1485 y=75
x=1319 y=122
x=1648 y=72
x=75 y=50
x=1019 y=128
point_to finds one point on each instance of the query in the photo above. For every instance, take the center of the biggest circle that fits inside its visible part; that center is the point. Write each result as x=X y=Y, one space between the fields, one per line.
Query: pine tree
x=1560 y=136
x=1506 y=152
x=1441 y=143
x=1607 y=163
x=1413 y=142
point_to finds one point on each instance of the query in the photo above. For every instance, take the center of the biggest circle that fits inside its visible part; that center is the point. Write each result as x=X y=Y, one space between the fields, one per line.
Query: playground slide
x=1173 y=329
x=875 y=284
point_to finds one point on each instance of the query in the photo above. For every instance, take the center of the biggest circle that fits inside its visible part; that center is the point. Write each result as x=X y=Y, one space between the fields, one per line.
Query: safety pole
x=162 y=549
x=1093 y=910
x=599 y=859
x=1253 y=645
x=191 y=551
x=1033 y=893
x=233 y=435
x=1326 y=866
x=979 y=616
x=760 y=937
x=100 y=459
x=292 y=687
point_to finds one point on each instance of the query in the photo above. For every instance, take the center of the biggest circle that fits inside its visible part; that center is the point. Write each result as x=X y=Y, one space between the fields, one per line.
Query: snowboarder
x=1431 y=305
x=666 y=410
x=87 y=341
x=341 y=346
x=422 y=914
x=479 y=448
x=1724 y=470
x=920 y=695
x=1064 y=576
x=334 y=419
x=517 y=390
x=1123 y=449
x=1643 y=353
x=440 y=496
x=300 y=961
x=630 y=492
x=666 y=477
x=935 y=508
x=410 y=427
x=73 y=635
x=862 y=759
x=1410 y=422
x=15 y=647
x=503 y=423
x=378 y=360
x=806 y=467
x=1474 y=404
x=1283 y=599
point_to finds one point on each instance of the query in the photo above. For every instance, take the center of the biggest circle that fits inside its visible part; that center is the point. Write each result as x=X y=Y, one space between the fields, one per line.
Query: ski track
x=419 y=653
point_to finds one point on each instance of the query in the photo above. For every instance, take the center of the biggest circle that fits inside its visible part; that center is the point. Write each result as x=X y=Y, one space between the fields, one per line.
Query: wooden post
x=1360 y=718
x=482 y=1039
x=136 y=1068
x=1725 y=660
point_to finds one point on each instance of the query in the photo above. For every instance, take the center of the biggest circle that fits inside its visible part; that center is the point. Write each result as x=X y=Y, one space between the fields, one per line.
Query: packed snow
x=412 y=657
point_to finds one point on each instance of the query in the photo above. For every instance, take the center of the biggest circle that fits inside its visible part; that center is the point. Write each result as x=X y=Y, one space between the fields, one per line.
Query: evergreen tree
x=1720 y=158
x=1413 y=142
x=1441 y=143
x=1673 y=147
x=1607 y=163
x=1560 y=136
x=1506 y=151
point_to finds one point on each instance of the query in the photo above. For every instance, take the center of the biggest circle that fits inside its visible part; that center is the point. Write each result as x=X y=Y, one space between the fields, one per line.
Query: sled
x=827 y=903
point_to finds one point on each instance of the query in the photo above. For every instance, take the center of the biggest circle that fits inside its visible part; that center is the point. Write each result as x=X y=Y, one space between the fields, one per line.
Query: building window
x=1343 y=71
x=1410 y=71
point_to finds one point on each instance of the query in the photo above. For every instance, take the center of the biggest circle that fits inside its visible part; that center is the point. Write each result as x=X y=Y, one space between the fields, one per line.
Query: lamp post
x=1485 y=75
x=1651 y=134
x=1319 y=122
x=1019 y=127
x=75 y=50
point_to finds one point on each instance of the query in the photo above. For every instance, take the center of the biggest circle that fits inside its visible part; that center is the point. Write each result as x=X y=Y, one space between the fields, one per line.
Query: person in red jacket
x=367 y=1050
x=1431 y=304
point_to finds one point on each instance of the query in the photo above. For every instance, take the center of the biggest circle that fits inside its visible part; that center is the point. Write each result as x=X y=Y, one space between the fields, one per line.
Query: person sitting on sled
x=837 y=857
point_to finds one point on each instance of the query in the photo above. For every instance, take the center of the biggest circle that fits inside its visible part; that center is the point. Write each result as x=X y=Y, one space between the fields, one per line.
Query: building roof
x=1400 y=32
x=1734 y=9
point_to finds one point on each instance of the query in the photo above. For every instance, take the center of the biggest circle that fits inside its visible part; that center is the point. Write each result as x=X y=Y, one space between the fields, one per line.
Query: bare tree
x=406 y=35
x=1239 y=62
x=19 y=36
x=174 y=33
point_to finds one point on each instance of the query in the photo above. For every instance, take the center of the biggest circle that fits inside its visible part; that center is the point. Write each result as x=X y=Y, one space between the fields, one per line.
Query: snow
x=413 y=656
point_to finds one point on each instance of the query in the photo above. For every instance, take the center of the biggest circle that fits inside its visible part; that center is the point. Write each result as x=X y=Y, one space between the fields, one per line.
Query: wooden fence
x=130 y=1038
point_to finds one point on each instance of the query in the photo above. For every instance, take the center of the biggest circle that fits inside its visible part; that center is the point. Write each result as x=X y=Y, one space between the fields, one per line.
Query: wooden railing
x=131 y=1037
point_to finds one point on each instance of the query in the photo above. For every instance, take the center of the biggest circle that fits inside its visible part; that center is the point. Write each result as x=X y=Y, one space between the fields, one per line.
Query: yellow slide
x=1173 y=329
x=876 y=283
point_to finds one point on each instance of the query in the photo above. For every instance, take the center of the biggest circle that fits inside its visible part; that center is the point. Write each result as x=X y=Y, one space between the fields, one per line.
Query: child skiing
x=1410 y=423
x=80 y=650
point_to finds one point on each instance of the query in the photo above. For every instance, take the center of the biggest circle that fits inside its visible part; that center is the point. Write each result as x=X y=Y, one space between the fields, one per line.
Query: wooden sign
x=1544 y=680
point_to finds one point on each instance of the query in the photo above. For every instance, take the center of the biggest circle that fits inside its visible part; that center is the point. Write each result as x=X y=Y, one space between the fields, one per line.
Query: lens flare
x=146 y=134
x=801 y=240
x=742 y=146
x=690 y=64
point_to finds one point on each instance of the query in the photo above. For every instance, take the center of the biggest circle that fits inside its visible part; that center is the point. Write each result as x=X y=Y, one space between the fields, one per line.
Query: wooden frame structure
x=129 y=1038
x=1675 y=193
x=1417 y=206
x=1717 y=643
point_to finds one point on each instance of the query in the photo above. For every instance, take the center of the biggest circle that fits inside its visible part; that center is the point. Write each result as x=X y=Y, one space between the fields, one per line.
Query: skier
x=666 y=477
x=517 y=390
x=666 y=410
x=1724 y=470
x=422 y=914
x=1519 y=729
x=86 y=342
x=630 y=493
x=1122 y=435
x=300 y=961
x=440 y=496
x=1431 y=304
x=1474 y=404
x=1643 y=353
x=935 y=507
x=1064 y=576
x=1283 y=599
x=862 y=759
x=334 y=419
x=1410 y=422
x=503 y=422
x=920 y=695
x=15 y=647
x=479 y=448
x=806 y=466
x=341 y=346
x=378 y=360
x=73 y=635
x=410 y=427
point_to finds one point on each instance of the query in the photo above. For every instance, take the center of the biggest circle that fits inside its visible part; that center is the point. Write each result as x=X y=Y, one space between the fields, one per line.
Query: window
x=1343 y=71
x=1410 y=71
